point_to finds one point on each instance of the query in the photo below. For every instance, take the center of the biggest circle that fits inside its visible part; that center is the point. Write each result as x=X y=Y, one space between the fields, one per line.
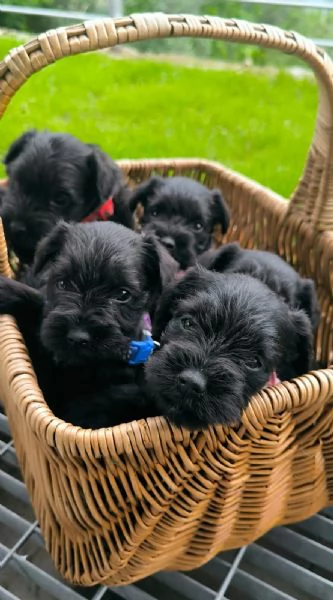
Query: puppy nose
x=168 y=242
x=17 y=227
x=192 y=381
x=78 y=336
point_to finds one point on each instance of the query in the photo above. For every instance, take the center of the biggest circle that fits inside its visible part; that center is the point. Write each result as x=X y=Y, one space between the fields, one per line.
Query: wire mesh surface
x=289 y=563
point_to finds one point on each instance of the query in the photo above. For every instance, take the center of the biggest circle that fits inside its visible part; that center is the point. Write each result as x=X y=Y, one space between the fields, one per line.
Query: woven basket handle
x=313 y=196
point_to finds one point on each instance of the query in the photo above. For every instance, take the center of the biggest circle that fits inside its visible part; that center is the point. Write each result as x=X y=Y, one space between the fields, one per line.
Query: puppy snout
x=169 y=243
x=192 y=381
x=78 y=337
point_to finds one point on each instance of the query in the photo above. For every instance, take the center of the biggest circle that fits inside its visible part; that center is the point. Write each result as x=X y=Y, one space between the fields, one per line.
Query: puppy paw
x=17 y=298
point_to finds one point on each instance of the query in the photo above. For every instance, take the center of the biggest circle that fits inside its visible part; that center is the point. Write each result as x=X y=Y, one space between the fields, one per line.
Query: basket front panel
x=116 y=509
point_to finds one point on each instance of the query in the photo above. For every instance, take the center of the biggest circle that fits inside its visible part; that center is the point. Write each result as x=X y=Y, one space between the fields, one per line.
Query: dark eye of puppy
x=254 y=363
x=154 y=212
x=122 y=296
x=187 y=322
x=62 y=285
x=198 y=226
x=61 y=199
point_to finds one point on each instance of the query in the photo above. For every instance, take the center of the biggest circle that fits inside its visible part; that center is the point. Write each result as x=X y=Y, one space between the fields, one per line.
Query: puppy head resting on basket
x=101 y=282
x=52 y=176
x=182 y=213
x=222 y=338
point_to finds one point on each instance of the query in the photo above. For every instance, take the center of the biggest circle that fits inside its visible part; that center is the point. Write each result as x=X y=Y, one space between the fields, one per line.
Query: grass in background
x=258 y=124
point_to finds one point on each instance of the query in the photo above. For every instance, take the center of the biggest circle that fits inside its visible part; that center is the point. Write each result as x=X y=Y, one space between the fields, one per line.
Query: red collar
x=102 y=213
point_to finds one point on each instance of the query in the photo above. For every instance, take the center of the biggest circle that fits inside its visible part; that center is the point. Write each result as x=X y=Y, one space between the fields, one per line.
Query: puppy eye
x=61 y=199
x=187 y=323
x=122 y=296
x=254 y=363
x=198 y=226
x=61 y=285
x=154 y=212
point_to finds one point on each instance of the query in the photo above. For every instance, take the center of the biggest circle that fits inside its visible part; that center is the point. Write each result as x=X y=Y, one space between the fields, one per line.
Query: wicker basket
x=118 y=504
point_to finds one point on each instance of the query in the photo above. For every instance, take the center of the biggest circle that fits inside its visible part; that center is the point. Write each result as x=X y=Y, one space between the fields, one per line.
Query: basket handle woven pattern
x=313 y=196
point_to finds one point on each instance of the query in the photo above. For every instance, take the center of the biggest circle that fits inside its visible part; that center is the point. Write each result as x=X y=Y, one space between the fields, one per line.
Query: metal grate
x=289 y=563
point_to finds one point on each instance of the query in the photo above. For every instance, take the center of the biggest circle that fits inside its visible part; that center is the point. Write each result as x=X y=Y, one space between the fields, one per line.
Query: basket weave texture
x=118 y=504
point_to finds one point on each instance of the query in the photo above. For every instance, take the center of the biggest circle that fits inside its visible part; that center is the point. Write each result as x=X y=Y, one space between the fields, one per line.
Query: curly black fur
x=297 y=291
x=221 y=338
x=52 y=176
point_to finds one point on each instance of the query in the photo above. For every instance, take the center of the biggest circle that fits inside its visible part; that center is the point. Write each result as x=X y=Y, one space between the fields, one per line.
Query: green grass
x=259 y=124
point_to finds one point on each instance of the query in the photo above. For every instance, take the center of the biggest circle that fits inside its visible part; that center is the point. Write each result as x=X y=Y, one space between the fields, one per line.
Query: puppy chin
x=67 y=355
x=185 y=258
x=184 y=251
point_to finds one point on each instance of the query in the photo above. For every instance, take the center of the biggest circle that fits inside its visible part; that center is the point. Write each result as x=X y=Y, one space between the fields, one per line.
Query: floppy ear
x=303 y=360
x=104 y=177
x=307 y=299
x=50 y=246
x=152 y=270
x=174 y=292
x=146 y=189
x=2 y=194
x=221 y=259
x=220 y=210
x=18 y=146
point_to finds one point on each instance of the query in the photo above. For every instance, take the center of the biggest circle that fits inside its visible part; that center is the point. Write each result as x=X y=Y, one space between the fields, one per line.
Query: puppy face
x=221 y=338
x=182 y=213
x=100 y=280
x=52 y=176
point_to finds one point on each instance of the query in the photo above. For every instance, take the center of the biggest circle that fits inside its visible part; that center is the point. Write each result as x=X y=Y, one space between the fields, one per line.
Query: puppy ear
x=18 y=146
x=2 y=194
x=104 y=176
x=303 y=360
x=219 y=260
x=50 y=246
x=176 y=291
x=307 y=300
x=220 y=210
x=151 y=266
x=142 y=193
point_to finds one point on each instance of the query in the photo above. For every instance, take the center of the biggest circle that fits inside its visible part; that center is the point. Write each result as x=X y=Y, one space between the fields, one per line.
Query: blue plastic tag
x=141 y=351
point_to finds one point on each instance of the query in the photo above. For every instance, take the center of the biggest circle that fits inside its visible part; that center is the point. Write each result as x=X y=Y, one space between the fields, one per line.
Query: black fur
x=2 y=193
x=182 y=213
x=52 y=176
x=93 y=283
x=221 y=338
x=297 y=291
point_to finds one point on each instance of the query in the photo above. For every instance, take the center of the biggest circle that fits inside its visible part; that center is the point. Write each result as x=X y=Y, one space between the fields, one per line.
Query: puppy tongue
x=147 y=321
x=180 y=274
x=273 y=379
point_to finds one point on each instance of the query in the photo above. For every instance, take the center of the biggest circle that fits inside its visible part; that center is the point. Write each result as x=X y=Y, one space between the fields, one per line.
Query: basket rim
x=193 y=162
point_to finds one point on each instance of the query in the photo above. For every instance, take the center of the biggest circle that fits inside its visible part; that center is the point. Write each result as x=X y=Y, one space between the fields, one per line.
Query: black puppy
x=182 y=213
x=297 y=291
x=52 y=176
x=86 y=323
x=223 y=338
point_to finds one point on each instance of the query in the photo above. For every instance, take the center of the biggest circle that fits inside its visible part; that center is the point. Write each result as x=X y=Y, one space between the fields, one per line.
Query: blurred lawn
x=260 y=125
